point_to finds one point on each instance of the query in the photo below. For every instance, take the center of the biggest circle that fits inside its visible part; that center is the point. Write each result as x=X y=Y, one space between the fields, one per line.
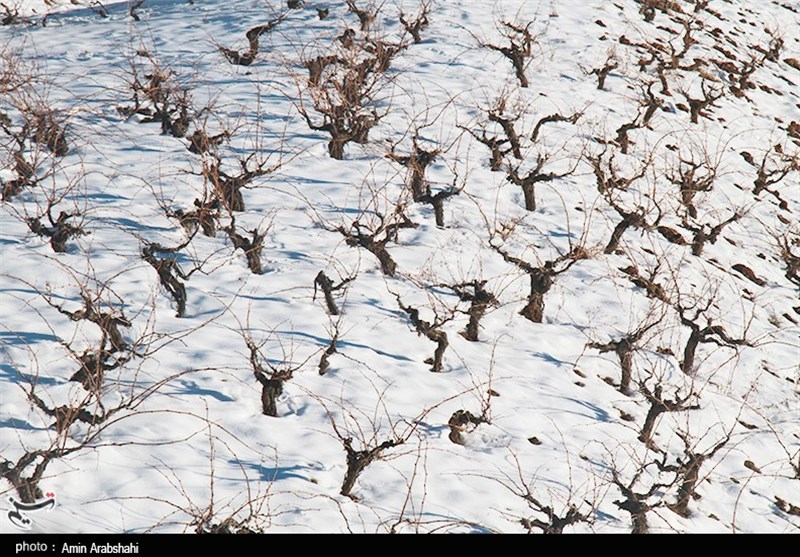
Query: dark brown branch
x=691 y=182
x=497 y=116
x=653 y=289
x=698 y=107
x=629 y=220
x=326 y=354
x=687 y=470
x=552 y=118
x=790 y=259
x=699 y=334
x=495 y=145
x=706 y=233
x=437 y=202
x=228 y=188
x=250 y=246
x=416 y=163
x=637 y=503
x=660 y=405
x=328 y=288
x=624 y=349
x=358 y=236
x=416 y=25
x=552 y=523
x=602 y=72
x=541 y=278
x=519 y=50
x=316 y=66
x=169 y=274
x=463 y=421
x=534 y=176
x=205 y=215
x=357 y=461
x=431 y=331
x=270 y=378
x=60 y=230
x=248 y=56
x=607 y=178
x=109 y=322
x=365 y=17
x=480 y=301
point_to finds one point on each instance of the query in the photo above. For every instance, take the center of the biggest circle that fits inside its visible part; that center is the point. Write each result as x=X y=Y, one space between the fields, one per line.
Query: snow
x=198 y=446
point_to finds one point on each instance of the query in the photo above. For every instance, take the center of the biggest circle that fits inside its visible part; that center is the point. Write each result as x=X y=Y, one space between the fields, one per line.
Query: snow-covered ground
x=692 y=142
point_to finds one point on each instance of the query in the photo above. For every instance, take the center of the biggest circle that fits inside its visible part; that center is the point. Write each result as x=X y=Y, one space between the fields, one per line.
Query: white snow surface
x=195 y=449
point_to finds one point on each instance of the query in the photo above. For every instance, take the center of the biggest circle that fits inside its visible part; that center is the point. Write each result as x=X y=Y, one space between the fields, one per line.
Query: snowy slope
x=172 y=435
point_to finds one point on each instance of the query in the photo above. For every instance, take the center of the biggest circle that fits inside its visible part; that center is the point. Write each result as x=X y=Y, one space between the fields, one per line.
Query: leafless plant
x=607 y=174
x=790 y=259
x=687 y=471
x=704 y=232
x=250 y=246
x=271 y=376
x=317 y=66
x=602 y=72
x=375 y=236
x=499 y=115
x=366 y=16
x=32 y=131
x=169 y=272
x=693 y=178
x=169 y=275
x=648 y=8
x=48 y=199
x=495 y=144
x=652 y=289
x=480 y=300
x=547 y=518
x=228 y=187
x=701 y=334
x=519 y=49
x=205 y=216
x=553 y=118
x=660 y=404
x=431 y=330
x=416 y=162
x=416 y=24
x=463 y=421
x=81 y=419
x=11 y=16
x=775 y=165
x=134 y=5
x=330 y=350
x=740 y=76
x=536 y=175
x=624 y=348
x=328 y=288
x=638 y=503
x=542 y=277
x=650 y=102
x=343 y=89
x=158 y=95
x=699 y=106
x=248 y=56
x=248 y=512
x=371 y=447
x=637 y=218
x=368 y=443
x=60 y=231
